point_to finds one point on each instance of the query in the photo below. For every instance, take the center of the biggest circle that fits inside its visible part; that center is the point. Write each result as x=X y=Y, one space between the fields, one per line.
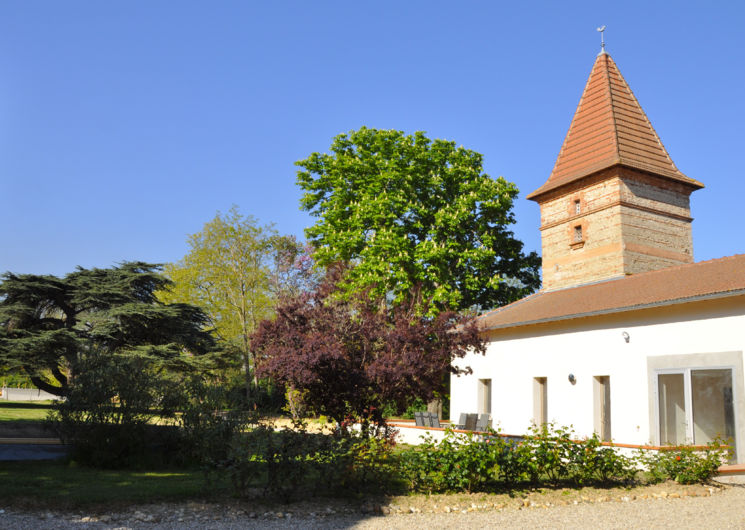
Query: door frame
x=727 y=358
x=688 y=397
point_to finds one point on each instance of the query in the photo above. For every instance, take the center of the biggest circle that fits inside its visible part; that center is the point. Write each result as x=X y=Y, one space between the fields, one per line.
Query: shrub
x=591 y=462
x=458 y=463
x=212 y=421
x=107 y=414
x=477 y=463
x=283 y=462
x=295 y=403
x=371 y=464
x=685 y=464
x=558 y=456
x=284 y=456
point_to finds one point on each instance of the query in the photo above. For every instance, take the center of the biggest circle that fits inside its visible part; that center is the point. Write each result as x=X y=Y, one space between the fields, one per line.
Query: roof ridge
x=625 y=85
x=613 y=120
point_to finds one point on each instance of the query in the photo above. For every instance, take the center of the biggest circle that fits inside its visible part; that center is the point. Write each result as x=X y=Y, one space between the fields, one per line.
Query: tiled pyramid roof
x=609 y=128
x=674 y=285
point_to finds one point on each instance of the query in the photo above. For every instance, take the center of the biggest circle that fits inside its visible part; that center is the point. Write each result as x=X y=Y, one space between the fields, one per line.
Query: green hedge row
x=548 y=454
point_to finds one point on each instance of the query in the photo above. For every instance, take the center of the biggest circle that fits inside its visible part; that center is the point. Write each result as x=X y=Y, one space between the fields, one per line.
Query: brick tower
x=615 y=204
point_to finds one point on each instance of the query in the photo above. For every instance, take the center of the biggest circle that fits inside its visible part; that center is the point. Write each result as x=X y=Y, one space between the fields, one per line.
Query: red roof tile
x=609 y=128
x=685 y=283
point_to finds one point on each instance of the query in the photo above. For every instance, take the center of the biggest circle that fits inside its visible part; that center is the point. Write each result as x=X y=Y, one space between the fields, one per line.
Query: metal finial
x=601 y=29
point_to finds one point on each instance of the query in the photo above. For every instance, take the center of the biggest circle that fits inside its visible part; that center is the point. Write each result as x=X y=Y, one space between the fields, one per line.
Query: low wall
x=409 y=433
x=25 y=394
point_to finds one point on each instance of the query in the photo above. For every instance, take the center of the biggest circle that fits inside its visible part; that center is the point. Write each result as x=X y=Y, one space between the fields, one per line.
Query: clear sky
x=125 y=126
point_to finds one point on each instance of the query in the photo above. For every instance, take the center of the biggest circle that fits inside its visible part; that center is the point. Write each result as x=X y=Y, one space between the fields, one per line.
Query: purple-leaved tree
x=353 y=358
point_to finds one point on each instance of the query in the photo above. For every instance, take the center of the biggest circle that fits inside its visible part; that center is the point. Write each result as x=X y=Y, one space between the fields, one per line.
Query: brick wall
x=629 y=221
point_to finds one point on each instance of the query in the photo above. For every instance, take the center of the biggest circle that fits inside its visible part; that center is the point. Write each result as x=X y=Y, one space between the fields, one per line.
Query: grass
x=67 y=486
x=24 y=411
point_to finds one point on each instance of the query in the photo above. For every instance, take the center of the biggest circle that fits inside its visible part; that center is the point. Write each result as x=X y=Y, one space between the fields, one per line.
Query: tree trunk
x=247 y=372
x=46 y=387
x=435 y=406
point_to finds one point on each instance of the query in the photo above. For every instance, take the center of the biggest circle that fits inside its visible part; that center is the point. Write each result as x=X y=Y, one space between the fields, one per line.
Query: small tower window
x=577 y=207
x=578 y=233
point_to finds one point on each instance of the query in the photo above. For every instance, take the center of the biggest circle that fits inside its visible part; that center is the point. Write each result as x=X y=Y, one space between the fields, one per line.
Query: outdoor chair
x=419 y=419
x=471 y=420
x=483 y=423
x=461 y=421
x=434 y=420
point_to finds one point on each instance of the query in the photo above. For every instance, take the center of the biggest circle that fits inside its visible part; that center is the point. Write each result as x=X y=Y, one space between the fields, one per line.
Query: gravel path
x=725 y=508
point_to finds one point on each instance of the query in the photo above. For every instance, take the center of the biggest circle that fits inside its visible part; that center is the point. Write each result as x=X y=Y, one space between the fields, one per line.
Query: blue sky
x=125 y=126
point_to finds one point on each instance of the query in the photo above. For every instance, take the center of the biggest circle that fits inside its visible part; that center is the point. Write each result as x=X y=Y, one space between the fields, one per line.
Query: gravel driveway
x=723 y=508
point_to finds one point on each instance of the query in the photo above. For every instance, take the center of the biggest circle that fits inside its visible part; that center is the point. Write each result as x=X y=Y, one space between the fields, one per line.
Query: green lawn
x=67 y=486
x=24 y=410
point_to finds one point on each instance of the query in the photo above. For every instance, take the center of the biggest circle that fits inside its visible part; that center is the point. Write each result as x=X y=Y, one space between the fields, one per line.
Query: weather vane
x=601 y=29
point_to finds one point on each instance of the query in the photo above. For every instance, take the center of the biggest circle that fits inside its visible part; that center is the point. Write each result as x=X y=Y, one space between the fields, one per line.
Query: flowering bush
x=685 y=464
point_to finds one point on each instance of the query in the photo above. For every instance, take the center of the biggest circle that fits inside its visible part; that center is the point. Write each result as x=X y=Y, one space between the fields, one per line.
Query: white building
x=628 y=337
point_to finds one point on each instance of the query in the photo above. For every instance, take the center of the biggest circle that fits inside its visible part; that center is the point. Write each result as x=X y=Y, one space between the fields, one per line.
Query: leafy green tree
x=50 y=325
x=236 y=269
x=419 y=219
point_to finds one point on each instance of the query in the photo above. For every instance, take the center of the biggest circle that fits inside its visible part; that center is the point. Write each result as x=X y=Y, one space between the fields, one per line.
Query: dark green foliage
x=458 y=463
x=293 y=460
x=49 y=325
x=109 y=411
x=283 y=463
x=212 y=420
x=285 y=456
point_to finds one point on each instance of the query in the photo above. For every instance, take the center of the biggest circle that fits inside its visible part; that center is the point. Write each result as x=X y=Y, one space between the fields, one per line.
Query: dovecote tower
x=615 y=204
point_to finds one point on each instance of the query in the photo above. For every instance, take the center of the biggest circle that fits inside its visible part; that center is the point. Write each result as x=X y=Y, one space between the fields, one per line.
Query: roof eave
x=677 y=301
x=549 y=186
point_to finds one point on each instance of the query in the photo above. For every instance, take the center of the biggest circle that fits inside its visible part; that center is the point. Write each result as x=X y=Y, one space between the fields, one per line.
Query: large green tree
x=236 y=269
x=419 y=219
x=50 y=325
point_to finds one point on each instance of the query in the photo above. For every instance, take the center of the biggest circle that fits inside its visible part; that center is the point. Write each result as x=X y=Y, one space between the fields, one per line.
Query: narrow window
x=540 y=401
x=484 y=397
x=578 y=233
x=577 y=207
x=601 y=395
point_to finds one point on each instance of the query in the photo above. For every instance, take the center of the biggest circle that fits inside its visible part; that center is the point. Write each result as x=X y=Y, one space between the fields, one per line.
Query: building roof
x=609 y=128
x=675 y=285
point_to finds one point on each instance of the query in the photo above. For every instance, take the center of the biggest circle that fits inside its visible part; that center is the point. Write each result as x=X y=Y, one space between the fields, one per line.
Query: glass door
x=695 y=406
x=713 y=408
x=672 y=409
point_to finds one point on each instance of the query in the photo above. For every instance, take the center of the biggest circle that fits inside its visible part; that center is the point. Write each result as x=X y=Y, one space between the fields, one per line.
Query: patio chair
x=483 y=423
x=471 y=420
x=461 y=421
x=419 y=419
x=434 y=420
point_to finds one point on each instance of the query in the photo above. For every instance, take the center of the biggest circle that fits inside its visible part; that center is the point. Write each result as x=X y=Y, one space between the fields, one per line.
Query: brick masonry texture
x=630 y=224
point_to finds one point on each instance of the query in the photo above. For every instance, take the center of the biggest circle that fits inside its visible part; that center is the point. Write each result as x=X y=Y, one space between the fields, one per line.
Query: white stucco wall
x=595 y=346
